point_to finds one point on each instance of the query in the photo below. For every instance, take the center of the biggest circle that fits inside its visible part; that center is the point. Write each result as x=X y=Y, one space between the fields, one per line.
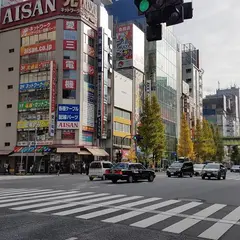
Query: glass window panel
x=52 y=35
x=43 y=37
x=69 y=94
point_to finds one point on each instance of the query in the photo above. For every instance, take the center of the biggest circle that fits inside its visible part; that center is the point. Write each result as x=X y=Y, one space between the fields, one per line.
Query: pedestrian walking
x=9 y=167
x=50 y=168
x=58 y=169
x=73 y=168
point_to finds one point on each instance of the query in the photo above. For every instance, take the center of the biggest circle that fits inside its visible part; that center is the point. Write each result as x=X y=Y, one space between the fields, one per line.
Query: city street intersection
x=70 y=207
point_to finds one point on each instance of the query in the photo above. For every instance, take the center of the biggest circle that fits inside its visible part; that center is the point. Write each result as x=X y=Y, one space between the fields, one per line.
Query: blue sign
x=68 y=112
x=34 y=85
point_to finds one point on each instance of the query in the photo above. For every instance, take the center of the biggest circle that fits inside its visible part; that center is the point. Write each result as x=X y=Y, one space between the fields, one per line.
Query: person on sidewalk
x=58 y=169
x=72 y=168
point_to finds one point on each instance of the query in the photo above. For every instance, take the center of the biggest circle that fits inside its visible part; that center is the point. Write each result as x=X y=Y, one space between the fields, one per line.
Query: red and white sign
x=38 y=48
x=91 y=70
x=28 y=11
x=34 y=66
x=70 y=25
x=52 y=100
x=68 y=125
x=69 y=44
x=69 y=84
x=69 y=64
x=38 y=29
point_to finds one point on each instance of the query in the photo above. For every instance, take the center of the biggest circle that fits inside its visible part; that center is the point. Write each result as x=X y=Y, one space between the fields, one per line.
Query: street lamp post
x=35 y=146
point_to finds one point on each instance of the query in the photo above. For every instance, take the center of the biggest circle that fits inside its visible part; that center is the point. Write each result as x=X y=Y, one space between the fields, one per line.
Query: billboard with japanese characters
x=34 y=86
x=68 y=116
x=33 y=105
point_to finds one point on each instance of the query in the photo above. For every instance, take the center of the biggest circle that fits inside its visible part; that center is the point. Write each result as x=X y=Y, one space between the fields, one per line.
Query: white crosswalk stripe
x=124 y=209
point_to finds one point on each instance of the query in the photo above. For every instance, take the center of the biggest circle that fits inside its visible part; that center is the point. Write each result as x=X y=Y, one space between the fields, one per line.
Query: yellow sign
x=32 y=124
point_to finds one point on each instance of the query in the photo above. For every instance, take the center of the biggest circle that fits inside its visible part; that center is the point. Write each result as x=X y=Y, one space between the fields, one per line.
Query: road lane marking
x=116 y=209
x=186 y=223
x=9 y=192
x=72 y=238
x=132 y=214
x=218 y=229
x=165 y=215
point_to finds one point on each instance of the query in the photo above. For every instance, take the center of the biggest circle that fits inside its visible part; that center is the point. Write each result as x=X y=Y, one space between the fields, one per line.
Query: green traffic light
x=144 y=5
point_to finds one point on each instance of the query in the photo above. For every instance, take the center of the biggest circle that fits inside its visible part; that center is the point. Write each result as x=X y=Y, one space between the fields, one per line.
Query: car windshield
x=214 y=166
x=177 y=164
x=120 y=166
x=107 y=165
x=200 y=166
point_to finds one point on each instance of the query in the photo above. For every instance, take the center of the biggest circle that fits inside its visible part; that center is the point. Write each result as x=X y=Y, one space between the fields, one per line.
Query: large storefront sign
x=34 y=85
x=30 y=11
x=34 y=105
x=38 y=29
x=69 y=45
x=32 y=124
x=52 y=99
x=38 y=48
x=124 y=46
x=34 y=66
x=38 y=149
x=69 y=64
x=67 y=125
x=86 y=139
x=32 y=143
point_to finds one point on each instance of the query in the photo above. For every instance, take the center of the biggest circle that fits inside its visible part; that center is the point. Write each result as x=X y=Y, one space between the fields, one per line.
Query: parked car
x=180 y=169
x=97 y=169
x=198 y=169
x=130 y=172
x=215 y=170
x=235 y=168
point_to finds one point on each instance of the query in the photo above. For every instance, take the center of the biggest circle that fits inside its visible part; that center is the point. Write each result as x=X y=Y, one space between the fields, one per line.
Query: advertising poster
x=33 y=85
x=34 y=105
x=70 y=25
x=34 y=66
x=68 y=116
x=38 y=29
x=69 y=64
x=52 y=98
x=69 y=45
x=88 y=107
x=86 y=139
x=38 y=48
x=33 y=124
x=124 y=46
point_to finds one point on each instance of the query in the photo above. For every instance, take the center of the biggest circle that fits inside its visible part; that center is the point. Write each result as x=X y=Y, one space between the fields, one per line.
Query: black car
x=235 y=168
x=180 y=169
x=215 y=170
x=130 y=172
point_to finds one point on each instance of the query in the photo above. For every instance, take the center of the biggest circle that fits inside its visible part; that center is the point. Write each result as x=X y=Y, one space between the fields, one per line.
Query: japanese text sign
x=69 y=84
x=69 y=64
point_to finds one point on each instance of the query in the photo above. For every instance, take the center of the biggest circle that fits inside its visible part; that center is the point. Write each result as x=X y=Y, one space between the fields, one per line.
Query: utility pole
x=35 y=145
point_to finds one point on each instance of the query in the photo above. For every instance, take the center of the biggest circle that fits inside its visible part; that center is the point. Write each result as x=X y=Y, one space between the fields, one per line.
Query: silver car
x=198 y=169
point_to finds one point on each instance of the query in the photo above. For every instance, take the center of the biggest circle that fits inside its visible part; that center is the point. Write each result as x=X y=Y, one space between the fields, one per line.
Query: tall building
x=192 y=74
x=162 y=68
x=49 y=80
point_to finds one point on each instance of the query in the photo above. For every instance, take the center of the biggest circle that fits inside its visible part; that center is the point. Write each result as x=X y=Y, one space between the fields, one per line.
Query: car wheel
x=169 y=175
x=219 y=177
x=190 y=175
x=91 y=178
x=180 y=175
x=114 y=180
x=151 y=178
x=103 y=177
x=203 y=177
x=130 y=179
x=209 y=178
x=224 y=177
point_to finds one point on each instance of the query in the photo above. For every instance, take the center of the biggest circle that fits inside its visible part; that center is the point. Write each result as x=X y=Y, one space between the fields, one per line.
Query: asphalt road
x=70 y=207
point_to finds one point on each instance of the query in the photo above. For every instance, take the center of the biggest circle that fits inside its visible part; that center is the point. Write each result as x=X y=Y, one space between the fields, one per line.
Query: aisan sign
x=27 y=11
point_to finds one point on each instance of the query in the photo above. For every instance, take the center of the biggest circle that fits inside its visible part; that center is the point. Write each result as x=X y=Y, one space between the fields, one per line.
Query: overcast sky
x=215 y=31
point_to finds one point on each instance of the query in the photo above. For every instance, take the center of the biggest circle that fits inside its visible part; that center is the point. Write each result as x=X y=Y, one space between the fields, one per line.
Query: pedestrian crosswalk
x=167 y=215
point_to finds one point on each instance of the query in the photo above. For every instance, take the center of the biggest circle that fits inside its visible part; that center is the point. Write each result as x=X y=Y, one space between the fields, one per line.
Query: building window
x=69 y=94
x=10 y=86
x=8 y=124
x=88 y=78
x=7 y=144
x=189 y=70
x=188 y=80
x=70 y=55
x=9 y=106
x=10 y=69
x=11 y=50
x=70 y=74
x=68 y=134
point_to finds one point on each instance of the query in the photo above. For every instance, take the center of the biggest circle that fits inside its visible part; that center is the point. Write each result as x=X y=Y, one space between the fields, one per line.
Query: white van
x=97 y=169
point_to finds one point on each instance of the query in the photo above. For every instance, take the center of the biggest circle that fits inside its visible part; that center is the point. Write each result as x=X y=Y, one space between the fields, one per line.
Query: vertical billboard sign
x=52 y=100
x=100 y=84
x=124 y=46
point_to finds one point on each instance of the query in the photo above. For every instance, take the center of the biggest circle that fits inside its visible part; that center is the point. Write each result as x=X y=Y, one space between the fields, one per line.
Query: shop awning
x=5 y=152
x=68 y=150
x=98 y=152
x=82 y=152
x=19 y=154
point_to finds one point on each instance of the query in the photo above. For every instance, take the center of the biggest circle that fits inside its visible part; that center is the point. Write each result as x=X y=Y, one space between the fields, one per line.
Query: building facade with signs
x=49 y=75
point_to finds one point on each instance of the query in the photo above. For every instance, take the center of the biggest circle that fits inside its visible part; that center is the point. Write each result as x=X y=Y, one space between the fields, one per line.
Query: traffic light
x=137 y=138
x=144 y=5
